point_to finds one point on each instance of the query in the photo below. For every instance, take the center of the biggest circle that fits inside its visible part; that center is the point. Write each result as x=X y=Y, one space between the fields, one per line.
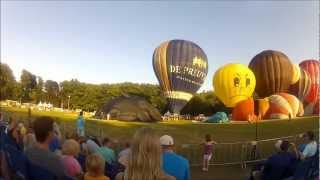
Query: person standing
x=173 y=164
x=80 y=125
x=208 y=149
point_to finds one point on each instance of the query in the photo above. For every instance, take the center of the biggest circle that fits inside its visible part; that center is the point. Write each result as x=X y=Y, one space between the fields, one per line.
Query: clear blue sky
x=109 y=41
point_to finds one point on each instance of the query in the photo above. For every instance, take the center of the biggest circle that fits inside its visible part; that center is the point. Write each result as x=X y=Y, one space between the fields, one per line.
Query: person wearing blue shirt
x=281 y=164
x=80 y=125
x=310 y=146
x=172 y=163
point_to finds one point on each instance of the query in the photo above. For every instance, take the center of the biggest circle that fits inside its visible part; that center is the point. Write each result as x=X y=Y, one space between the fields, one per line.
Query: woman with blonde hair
x=144 y=161
x=95 y=166
x=71 y=149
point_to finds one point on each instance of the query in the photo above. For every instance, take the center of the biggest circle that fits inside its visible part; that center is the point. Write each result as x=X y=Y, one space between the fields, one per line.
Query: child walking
x=207 y=151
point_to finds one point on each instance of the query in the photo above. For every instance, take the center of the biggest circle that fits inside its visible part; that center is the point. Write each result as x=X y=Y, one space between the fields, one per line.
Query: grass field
x=186 y=132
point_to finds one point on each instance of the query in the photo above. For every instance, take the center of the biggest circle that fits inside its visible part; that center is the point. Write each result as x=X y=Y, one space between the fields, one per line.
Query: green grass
x=184 y=132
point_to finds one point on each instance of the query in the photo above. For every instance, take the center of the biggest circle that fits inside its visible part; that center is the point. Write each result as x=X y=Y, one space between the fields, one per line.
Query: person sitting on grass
x=95 y=166
x=106 y=152
x=40 y=155
x=173 y=164
x=145 y=158
x=207 y=151
x=70 y=149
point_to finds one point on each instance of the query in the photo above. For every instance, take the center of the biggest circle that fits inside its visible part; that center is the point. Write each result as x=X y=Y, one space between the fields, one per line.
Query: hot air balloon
x=283 y=106
x=301 y=88
x=312 y=67
x=273 y=71
x=244 y=110
x=181 y=67
x=296 y=73
x=233 y=83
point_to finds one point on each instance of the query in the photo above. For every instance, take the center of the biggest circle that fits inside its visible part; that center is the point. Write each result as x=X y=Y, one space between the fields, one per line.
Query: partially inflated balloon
x=296 y=73
x=283 y=105
x=181 y=67
x=279 y=107
x=244 y=110
x=262 y=107
x=301 y=88
x=273 y=71
x=293 y=102
x=312 y=67
x=233 y=83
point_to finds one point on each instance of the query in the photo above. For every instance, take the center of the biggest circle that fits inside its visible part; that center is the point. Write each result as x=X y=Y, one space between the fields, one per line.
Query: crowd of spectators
x=39 y=151
x=290 y=162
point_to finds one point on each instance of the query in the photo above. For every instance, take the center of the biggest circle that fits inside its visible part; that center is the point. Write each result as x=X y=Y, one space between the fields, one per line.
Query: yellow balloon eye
x=247 y=82
x=236 y=82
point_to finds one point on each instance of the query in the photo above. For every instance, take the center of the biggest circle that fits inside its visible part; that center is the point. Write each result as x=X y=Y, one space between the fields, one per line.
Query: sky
x=113 y=41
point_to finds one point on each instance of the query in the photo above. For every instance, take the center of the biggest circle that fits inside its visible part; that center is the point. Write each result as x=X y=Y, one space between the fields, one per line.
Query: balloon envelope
x=233 y=83
x=181 y=67
x=244 y=110
x=283 y=105
x=301 y=88
x=312 y=67
x=273 y=71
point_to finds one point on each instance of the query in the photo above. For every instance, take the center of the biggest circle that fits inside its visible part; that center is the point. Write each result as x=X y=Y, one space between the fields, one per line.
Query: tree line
x=74 y=94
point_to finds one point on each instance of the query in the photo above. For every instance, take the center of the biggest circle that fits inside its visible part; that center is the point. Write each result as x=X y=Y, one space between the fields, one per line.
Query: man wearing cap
x=173 y=164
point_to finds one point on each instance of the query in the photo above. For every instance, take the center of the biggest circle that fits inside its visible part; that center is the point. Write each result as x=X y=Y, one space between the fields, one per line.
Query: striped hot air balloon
x=282 y=106
x=301 y=88
x=312 y=67
x=273 y=71
x=181 y=67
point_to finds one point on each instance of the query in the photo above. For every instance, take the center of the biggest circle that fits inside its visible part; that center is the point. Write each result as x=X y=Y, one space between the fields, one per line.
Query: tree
x=28 y=83
x=52 y=92
x=38 y=92
x=205 y=103
x=7 y=82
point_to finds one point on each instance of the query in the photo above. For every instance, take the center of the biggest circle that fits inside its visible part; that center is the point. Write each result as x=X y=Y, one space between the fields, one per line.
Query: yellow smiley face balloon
x=233 y=83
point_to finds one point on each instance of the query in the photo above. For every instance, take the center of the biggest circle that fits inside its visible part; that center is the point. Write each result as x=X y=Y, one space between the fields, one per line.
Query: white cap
x=166 y=140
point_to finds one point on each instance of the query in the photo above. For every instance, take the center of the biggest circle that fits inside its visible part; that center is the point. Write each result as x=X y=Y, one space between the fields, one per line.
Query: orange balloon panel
x=244 y=110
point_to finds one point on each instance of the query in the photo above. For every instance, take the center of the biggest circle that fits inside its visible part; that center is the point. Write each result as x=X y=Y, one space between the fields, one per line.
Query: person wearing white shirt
x=310 y=148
